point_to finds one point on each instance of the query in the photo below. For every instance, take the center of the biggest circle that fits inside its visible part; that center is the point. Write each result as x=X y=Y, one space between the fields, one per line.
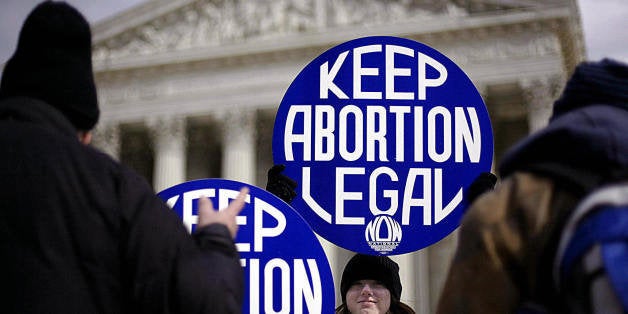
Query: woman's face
x=368 y=296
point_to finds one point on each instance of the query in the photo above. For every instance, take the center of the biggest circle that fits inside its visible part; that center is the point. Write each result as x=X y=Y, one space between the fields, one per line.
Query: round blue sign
x=383 y=135
x=285 y=267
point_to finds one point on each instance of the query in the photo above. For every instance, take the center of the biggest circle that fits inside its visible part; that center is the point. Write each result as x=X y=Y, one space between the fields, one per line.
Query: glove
x=281 y=185
x=483 y=183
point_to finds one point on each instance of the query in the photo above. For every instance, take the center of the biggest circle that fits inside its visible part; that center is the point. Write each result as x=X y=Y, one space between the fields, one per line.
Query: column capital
x=539 y=94
x=163 y=126
x=542 y=86
x=233 y=118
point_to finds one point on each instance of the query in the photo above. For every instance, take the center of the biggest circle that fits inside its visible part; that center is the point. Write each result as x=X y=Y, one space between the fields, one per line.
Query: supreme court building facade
x=188 y=89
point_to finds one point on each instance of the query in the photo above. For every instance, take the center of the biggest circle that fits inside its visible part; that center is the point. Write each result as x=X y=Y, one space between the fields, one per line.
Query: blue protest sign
x=285 y=267
x=383 y=135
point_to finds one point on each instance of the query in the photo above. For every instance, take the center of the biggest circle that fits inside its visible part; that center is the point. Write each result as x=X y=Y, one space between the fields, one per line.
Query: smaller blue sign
x=285 y=267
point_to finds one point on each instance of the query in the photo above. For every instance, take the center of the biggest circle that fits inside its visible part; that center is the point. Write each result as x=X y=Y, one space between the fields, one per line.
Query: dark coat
x=508 y=237
x=82 y=233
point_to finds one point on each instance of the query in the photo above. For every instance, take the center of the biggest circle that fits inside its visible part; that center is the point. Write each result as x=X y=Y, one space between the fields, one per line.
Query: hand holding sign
x=281 y=185
x=207 y=215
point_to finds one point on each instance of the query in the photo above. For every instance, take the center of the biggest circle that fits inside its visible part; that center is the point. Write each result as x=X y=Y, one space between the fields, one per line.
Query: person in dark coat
x=509 y=237
x=79 y=232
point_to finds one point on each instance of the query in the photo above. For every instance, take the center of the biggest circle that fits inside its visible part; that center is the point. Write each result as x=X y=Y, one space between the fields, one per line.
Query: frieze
x=208 y=23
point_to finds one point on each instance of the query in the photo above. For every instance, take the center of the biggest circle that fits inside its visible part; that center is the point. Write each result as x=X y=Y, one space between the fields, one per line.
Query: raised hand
x=208 y=215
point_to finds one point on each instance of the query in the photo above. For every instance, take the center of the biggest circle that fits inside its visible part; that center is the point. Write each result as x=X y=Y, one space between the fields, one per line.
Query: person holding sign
x=80 y=232
x=371 y=284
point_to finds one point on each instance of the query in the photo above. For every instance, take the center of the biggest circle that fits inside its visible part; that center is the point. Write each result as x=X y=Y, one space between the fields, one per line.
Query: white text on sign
x=324 y=129
x=432 y=209
x=395 y=125
x=327 y=75
x=293 y=279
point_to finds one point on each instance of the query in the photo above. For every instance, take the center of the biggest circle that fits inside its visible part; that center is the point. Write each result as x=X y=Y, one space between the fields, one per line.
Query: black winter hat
x=371 y=267
x=53 y=63
x=602 y=82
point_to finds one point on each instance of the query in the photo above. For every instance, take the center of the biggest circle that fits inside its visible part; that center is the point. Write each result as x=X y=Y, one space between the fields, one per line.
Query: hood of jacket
x=586 y=141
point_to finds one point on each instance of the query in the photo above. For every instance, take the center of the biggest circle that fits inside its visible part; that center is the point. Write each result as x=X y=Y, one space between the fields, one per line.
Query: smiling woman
x=371 y=285
x=368 y=296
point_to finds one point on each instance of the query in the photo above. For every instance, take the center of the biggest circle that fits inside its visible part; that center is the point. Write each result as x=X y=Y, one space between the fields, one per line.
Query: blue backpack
x=591 y=264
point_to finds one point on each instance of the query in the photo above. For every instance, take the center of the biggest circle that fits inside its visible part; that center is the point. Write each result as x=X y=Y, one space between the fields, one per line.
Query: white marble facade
x=189 y=88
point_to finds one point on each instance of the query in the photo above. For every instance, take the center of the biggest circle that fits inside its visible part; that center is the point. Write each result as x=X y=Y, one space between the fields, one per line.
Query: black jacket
x=81 y=233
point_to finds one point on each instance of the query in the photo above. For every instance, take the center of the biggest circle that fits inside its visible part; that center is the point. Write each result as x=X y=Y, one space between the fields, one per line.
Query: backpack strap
x=594 y=246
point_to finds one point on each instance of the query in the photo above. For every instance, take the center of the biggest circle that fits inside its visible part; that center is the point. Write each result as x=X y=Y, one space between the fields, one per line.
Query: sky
x=605 y=23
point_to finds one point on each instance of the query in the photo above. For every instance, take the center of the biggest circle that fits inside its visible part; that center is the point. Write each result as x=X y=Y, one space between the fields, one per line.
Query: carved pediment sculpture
x=207 y=23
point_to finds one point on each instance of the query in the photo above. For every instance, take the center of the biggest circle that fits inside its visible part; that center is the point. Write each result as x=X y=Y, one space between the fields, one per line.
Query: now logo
x=383 y=234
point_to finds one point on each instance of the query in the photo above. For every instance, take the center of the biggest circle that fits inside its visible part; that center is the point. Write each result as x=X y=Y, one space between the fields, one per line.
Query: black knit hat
x=371 y=267
x=53 y=63
x=602 y=82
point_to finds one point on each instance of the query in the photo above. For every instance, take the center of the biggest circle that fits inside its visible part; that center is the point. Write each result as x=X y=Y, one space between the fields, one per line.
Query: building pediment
x=159 y=26
x=168 y=32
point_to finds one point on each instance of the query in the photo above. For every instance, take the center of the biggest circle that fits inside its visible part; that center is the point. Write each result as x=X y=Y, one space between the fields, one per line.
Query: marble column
x=107 y=138
x=539 y=95
x=169 y=142
x=238 y=162
x=407 y=274
x=484 y=93
x=336 y=263
x=423 y=282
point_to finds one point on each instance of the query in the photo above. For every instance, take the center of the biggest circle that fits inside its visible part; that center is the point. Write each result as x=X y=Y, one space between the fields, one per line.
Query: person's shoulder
x=119 y=172
x=102 y=161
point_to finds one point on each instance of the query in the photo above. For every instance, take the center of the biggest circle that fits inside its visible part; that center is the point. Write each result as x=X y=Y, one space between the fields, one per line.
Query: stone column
x=407 y=274
x=484 y=93
x=169 y=142
x=336 y=263
x=423 y=282
x=539 y=95
x=107 y=138
x=238 y=162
